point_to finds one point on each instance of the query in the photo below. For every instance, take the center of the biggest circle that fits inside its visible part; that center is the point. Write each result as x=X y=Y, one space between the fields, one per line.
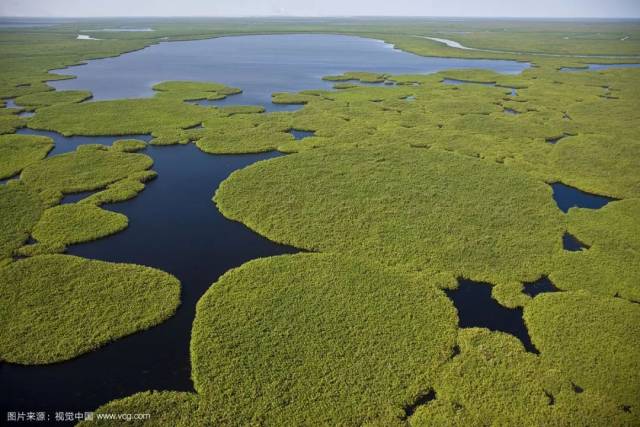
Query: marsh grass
x=56 y=307
x=19 y=151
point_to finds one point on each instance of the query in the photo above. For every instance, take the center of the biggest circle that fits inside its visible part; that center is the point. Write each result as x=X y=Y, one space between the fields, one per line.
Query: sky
x=315 y=8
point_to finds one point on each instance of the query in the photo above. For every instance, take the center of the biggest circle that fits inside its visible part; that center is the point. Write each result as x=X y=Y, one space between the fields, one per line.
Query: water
x=568 y=197
x=476 y=308
x=555 y=140
x=10 y=103
x=540 y=286
x=570 y=243
x=301 y=134
x=260 y=65
x=174 y=226
x=511 y=112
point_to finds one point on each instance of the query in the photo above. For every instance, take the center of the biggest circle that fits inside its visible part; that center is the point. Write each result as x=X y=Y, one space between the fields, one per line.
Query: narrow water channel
x=174 y=226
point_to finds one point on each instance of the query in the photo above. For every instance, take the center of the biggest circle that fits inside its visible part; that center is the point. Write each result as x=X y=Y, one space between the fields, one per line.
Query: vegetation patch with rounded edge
x=56 y=307
x=411 y=208
x=317 y=339
x=21 y=209
x=592 y=339
x=19 y=151
x=88 y=168
x=493 y=381
x=76 y=223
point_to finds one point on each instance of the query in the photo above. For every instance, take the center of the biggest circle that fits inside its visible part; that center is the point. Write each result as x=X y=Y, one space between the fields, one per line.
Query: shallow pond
x=260 y=65
x=301 y=134
x=539 y=287
x=476 y=308
x=572 y=244
x=568 y=197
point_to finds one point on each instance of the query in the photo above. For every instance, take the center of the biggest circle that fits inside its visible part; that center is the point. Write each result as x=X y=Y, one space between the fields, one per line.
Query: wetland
x=318 y=228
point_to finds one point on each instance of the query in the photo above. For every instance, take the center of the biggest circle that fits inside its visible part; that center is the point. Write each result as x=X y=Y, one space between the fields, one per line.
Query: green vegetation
x=18 y=151
x=484 y=221
x=88 y=168
x=21 y=209
x=193 y=91
x=592 y=339
x=46 y=99
x=76 y=223
x=358 y=76
x=243 y=133
x=56 y=307
x=611 y=266
x=166 y=408
x=495 y=382
x=122 y=117
x=129 y=145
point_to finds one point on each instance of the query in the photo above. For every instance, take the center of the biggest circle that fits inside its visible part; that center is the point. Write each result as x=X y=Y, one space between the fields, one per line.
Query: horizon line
x=322 y=16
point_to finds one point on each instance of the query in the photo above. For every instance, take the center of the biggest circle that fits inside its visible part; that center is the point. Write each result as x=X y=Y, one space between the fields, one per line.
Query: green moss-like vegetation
x=18 y=151
x=83 y=170
x=76 y=223
x=21 y=209
x=403 y=206
x=129 y=145
x=165 y=408
x=495 y=382
x=193 y=91
x=358 y=76
x=45 y=99
x=56 y=307
x=592 y=339
x=242 y=133
x=588 y=161
x=121 y=117
x=346 y=342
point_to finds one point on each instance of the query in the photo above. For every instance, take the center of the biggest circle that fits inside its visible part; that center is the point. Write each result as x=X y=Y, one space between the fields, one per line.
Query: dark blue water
x=301 y=134
x=173 y=226
x=570 y=243
x=260 y=65
x=540 y=286
x=476 y=308
x=568 y=197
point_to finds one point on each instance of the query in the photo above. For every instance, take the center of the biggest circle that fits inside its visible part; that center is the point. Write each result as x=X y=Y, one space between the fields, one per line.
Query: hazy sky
x=503 y=8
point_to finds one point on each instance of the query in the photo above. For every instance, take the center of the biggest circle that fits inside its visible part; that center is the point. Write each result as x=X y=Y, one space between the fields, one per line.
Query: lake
x=259 y=65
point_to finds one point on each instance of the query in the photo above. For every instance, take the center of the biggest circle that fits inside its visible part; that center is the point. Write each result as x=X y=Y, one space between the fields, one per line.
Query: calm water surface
x=260 y=65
